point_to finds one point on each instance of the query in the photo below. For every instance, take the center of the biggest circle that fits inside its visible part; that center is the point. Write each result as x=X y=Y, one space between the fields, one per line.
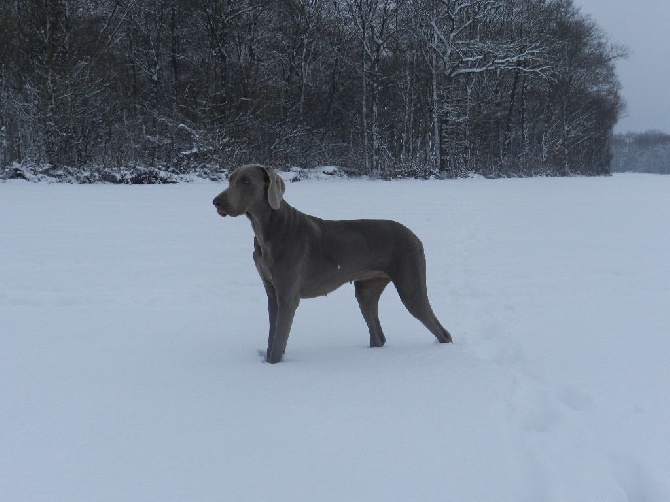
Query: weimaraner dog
x=301 y=256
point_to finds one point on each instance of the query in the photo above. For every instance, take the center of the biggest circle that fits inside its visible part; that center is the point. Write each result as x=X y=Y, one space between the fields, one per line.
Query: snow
x=131 y=318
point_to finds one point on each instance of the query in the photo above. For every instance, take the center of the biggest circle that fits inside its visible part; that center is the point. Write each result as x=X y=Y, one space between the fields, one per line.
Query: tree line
x=647 y=152
x=381 y=87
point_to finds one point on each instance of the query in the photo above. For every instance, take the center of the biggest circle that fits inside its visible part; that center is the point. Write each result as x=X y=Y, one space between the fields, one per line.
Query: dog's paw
x=263 y=353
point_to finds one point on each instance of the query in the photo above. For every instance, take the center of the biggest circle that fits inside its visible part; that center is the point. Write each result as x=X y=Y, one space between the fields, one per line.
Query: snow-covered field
x=131 y=318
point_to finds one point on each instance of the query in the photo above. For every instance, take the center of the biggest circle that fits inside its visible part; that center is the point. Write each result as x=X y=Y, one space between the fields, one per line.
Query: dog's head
x=249 y=186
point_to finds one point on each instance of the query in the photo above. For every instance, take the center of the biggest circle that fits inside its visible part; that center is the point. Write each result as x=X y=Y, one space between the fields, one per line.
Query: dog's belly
x=330 y=282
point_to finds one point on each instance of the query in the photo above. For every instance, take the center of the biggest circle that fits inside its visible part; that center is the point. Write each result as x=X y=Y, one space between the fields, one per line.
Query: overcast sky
x=644 y=27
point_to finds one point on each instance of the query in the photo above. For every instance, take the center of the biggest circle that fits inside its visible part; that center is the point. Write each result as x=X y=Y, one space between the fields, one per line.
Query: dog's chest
x=263 y=261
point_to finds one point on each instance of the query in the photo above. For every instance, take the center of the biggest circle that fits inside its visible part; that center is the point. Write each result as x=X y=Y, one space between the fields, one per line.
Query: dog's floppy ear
x=276 y=188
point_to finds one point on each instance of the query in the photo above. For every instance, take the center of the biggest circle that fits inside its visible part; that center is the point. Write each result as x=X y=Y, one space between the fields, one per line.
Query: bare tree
x=375 y=21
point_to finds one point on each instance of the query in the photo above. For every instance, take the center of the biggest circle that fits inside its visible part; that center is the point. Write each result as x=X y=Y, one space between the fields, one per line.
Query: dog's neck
x=267 y=222
x=257 y=227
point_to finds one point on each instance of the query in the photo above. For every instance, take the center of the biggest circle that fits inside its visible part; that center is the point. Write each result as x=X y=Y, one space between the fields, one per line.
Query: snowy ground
x=131 y=317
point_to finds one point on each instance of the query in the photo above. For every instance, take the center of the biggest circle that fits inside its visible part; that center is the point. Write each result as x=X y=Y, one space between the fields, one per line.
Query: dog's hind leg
x=367 y=294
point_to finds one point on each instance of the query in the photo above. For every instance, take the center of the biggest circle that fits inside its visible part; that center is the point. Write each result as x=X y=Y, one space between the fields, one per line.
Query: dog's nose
x=216 y=201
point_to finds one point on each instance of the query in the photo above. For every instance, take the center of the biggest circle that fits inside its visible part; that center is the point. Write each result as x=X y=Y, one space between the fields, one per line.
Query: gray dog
x=301 y=256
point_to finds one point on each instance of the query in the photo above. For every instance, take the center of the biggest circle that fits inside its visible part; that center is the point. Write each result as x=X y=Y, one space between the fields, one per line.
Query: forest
x=386 y=88
x=647 y=152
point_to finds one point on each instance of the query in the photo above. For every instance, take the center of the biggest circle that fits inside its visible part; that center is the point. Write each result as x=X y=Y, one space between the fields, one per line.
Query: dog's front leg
x=272 y=312
x=286 y=306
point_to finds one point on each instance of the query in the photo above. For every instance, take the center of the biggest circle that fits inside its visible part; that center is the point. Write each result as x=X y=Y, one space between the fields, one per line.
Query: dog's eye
x=245 y=181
